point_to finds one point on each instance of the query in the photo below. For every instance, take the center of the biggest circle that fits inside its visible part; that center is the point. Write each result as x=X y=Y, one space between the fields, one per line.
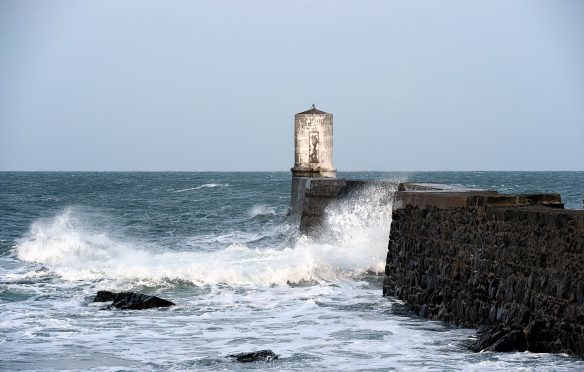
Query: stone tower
x=313 y=144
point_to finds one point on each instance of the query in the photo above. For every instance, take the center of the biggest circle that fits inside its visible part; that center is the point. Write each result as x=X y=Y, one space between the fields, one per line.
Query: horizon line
x=264 y=171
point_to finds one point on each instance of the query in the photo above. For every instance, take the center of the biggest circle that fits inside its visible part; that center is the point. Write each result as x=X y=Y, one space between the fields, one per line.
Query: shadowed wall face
x=493 y=265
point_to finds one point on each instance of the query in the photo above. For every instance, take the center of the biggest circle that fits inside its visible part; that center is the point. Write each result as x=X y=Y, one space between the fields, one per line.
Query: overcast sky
x=214 y=85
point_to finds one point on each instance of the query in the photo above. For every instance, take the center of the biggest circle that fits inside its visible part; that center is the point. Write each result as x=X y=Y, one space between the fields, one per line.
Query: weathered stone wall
x=492 y=260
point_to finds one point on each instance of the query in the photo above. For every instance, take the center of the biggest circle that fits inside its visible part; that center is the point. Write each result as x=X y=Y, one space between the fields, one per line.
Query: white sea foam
x=233 y=237
x=262 y=210
x=354 y=240
x=207 y=185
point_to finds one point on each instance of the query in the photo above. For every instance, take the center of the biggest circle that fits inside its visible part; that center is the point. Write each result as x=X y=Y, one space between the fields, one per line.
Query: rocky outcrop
x=131 y=301
x=254 y=356
x=502 y=339
x=509 y=262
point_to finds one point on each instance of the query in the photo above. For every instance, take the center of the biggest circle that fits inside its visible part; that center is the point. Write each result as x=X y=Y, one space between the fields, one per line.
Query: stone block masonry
x=478 y=259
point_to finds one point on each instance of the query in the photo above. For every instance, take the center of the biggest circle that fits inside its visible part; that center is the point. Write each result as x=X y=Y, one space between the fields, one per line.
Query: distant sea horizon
x=279 y=171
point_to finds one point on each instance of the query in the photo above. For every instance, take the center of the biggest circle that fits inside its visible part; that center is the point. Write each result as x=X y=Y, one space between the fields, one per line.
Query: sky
x=214 y=85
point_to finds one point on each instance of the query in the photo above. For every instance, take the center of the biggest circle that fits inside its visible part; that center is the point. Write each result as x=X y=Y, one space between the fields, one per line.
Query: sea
x=224 y=248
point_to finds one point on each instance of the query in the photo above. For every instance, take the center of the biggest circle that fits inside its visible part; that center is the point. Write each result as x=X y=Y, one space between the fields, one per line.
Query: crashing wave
x=355 y=241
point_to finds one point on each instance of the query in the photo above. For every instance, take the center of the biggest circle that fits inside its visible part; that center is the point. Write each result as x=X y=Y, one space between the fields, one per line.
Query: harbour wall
x=502 y=261
x=512 y=265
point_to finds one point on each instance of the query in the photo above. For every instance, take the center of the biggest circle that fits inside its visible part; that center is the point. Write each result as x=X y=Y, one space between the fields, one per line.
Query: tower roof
x=312 y=110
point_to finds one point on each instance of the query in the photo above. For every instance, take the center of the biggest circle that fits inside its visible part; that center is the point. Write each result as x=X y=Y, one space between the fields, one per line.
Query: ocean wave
x=261 y=210
x=234 y=237
x=354 y=241
x=207 y=185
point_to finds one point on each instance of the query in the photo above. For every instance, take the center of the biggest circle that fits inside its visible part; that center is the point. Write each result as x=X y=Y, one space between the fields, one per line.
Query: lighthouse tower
x=313 y=144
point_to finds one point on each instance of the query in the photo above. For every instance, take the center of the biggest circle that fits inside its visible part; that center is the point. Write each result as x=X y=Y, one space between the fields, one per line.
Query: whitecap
x=207 y=185
x=354 y=241
x=261 y=210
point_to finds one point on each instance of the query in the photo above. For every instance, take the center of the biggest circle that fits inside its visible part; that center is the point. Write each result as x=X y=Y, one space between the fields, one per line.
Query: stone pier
x=512 y=264
x=475 y=258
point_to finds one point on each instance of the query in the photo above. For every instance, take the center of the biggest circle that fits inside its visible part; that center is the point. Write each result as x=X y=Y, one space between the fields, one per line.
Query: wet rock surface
x=254 y=356
x=516 y=269
x=131 y=300
x=500 y=339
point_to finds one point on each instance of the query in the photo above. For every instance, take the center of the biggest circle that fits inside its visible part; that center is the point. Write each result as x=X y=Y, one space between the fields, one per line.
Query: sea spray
x=353 y=236
x=261 y=210
x=353 y=241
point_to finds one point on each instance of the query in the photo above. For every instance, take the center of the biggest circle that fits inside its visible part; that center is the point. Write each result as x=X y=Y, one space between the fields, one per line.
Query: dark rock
x=104 y=296
x=486 y=337
x=254 y=356
x=131 y=301
x=500 y=339
x=514 y=340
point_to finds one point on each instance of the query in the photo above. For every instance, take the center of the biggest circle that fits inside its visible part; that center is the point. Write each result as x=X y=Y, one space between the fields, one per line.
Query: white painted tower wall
x=313 y=144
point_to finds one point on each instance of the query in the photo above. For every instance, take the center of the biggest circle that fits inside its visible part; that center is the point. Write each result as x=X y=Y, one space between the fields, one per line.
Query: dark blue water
x=220 y=246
